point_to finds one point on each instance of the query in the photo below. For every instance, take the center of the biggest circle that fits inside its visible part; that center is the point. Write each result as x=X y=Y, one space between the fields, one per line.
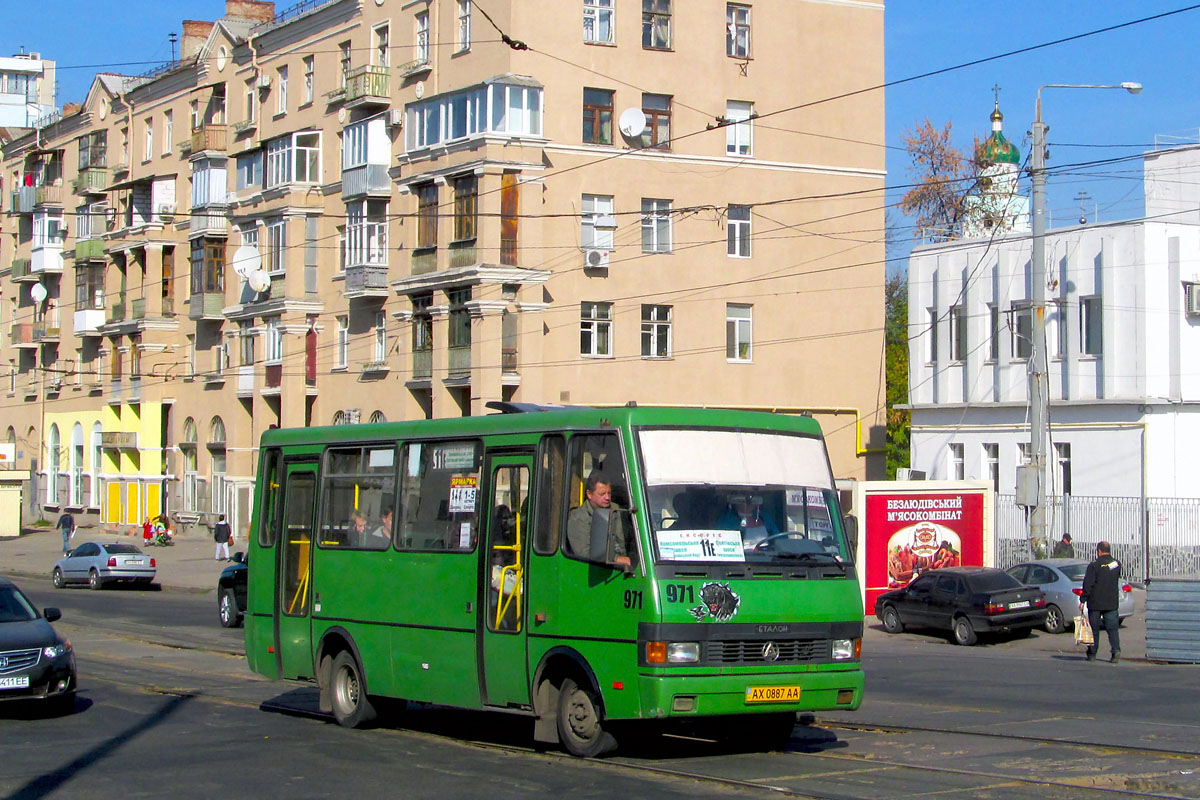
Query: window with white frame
x=342 y=349
x=1062 y=463
x=739 y=332
x=991 y=463
x=246 y=343
x=273 y=341
x=380 y=336
x=739 y=130
x=598 y=21
x=993 y=331
x=737 y=232
x=250 y=112
x=595 y=205
x=1061 y=343
x=463 y=38
x=595 y=329
x=1023 y=453
x=208 y=182
x=422 y=38
x=281 y=90
x=656 y=225
x=656 y=331
x=737 y=30
x=148 y=153
x=365 y=143
x=294 y=158
x=273 y=255
x=1022 y=329
x=344 y=61
x=958 y=333
x=48 y=229
x=514 y=110
x=382 y=35
x=1091 y=326
x=168 y=132
x=194 y=115
x=310 y=78
x=366 y=233
x=958 y=464
x=656 y=24
x=931 y=341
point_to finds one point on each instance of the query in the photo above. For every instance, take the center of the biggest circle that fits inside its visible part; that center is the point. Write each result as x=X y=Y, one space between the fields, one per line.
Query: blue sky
x=921 y=36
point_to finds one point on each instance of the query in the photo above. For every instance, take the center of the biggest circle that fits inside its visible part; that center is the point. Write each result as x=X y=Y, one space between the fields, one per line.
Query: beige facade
x=367 y=209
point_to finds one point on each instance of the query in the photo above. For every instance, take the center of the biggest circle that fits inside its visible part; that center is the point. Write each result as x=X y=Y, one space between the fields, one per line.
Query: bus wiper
x=824 y=558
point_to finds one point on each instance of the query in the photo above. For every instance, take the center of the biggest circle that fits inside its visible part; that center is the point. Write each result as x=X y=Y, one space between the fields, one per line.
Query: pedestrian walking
x=1102 y=595
x=223 y=536
x=66 y=524
x=1063 y=548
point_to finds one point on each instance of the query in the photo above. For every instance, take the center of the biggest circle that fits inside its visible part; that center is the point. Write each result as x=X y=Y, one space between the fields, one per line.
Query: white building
x=1123 y=342
x=26 y=90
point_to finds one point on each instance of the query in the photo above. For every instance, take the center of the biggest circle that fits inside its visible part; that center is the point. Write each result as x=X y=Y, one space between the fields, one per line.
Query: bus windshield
x=740 y=497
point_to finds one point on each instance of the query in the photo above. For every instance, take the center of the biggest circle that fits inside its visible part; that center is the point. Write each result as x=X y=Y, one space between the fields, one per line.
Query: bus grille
x=14 y=660
x=755 y=651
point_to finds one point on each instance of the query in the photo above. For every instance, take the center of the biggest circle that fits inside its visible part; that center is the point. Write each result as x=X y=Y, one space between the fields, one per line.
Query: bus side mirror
x=850 y=526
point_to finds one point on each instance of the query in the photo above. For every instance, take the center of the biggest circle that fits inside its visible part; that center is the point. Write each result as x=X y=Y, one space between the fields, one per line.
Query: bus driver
x=598 y=489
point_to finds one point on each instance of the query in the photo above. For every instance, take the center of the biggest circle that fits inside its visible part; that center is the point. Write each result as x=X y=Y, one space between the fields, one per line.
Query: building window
x=1091 y=332
x=991 y=461
x=1062 y=459
x=422 y=49
x=274 y=341
x=592 y=238
x=459 y=328
x=466 y=197
x=281 y=91
x=931 y=341
x=310 y=78
x=1061 y=343
x=422 y=323
x=251 y=109
x=464 y=25
x=595 y=329
x=598 y=21
x=737 y=30
x=168 y=132
x=342 y=350
x=380 y=336
x=656 y=331
x=656 y=225
x=427 y=221
x=657 y=108
x=295 y=158
x=1023 y=453
x=739 y=332
x=656 y=24
x=149 y=150
x=273 y=255
x=89 y=285
x=958 y=333
x=250 y=170
x=1022 y=329
x=208 y=265
x=739 y=130
x=246 y=343
x=344 y=61
x=993 y=332
x=597 y=116
x=383 y=49
x=366 y=233
x=497 y=107
x=737 y=232
x=958 y=466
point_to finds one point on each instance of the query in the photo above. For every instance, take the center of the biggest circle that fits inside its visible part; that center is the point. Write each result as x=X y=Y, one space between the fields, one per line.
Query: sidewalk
x=188 y=565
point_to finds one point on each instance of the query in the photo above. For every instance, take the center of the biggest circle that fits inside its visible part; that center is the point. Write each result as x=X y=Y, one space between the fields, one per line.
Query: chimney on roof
x=252 y=10
x=195 y=33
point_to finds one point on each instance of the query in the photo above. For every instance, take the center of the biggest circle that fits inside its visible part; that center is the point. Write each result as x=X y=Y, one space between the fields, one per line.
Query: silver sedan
x=1061 y=579
x=97 y=564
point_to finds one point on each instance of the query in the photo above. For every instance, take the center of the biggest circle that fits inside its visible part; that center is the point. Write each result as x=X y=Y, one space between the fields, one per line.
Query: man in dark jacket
x=1102 y=594
x=1063 y=548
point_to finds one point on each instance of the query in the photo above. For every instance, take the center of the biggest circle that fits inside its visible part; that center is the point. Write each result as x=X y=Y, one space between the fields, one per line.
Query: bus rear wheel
x=351 y=707
x=580 y=723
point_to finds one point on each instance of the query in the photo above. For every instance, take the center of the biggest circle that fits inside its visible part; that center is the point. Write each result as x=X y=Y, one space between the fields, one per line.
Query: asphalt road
x=165 y=707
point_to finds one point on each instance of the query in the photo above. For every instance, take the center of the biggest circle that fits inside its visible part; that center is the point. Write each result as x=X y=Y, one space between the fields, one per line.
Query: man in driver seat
x=598 y=489
x=745 y=514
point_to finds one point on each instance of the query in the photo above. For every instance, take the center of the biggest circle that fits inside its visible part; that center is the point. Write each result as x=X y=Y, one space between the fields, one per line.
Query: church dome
x=997 y=149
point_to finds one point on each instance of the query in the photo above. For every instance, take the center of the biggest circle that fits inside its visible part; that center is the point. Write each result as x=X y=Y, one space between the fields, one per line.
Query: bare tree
x=942 y=178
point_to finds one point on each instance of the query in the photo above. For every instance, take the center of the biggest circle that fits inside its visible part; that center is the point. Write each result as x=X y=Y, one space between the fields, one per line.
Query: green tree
x=896 y=371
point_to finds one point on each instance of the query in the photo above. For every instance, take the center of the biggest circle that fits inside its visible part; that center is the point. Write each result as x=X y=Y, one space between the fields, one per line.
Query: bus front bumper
x=677 y=696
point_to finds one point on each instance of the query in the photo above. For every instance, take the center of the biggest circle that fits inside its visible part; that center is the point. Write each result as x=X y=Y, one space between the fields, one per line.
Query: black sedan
x=964 y=601
x=231 y=592
x=35 y=662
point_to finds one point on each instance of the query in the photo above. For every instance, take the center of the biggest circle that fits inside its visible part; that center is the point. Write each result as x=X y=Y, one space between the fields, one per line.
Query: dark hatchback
x=231 y=592
x=35 y=662
x=965 y=601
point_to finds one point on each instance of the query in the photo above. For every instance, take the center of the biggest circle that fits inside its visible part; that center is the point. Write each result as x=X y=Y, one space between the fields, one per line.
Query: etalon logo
x=770 y=652
x=719 y=600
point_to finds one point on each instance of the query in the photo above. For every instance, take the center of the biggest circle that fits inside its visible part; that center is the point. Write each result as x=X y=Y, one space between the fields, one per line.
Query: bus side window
x=439 y=484
x=552 y=463
x=597 y=452
x=268 y=521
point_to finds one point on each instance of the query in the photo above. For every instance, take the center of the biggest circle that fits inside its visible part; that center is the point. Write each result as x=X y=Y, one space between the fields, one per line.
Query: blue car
x=1061 y=580
x=98 y=564
x=36 y=663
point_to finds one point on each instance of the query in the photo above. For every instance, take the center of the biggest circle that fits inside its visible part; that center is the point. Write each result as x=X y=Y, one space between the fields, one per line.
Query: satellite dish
x=632 y=122
x=246 y=260
x=259 y=281
x=38 y=292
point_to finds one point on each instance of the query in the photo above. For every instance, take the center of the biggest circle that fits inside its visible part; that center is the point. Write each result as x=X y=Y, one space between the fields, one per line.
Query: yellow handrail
x=502 y=601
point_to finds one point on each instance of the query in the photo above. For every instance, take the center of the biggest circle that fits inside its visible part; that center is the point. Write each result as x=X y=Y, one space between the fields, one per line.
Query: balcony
x=91 y=180
x=245 y=126
x=245 y=380
x=89 y=249
x=22 y=200
x=138 y=308
x=508 y=359
x=48 y=195
x=45 y=332
x=21 y=335
x=414 y=68
x=424 y=260
x=369 y=180
x=460 y=361
x=368 y=85
x=209 y=137
x=22 y=271
x=120 y=168
x=273 y=378
x=209 y=221
x=117 y=314
x=116 y=396
x=206 y=306
x=375 y=367
x=88 y=321
x=367 y=280
x=47 y=259
x=422 y=365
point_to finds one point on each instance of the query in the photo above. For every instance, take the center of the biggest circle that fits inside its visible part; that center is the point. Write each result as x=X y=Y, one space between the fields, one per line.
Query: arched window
x=12 y=435
x=377 y=416
x=216 y=449
x=97 y=464
x=187 y=446
x=76 y=465
x=53 y=464
x=339 y=417
x=216 y=433
x=189 y=431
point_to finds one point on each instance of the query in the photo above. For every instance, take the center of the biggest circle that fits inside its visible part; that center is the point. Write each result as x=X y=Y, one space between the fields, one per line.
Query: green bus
x=582 y=566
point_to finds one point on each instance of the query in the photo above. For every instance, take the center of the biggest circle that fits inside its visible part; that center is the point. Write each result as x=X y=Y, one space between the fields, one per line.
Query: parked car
x=1061 y=579
x=231 y=592
x=97 y=564
x=965 y=601
x=35 y=662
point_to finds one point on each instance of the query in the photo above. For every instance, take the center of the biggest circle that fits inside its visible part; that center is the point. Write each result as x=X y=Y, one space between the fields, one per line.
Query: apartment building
x=358 y=210
x=26 y=89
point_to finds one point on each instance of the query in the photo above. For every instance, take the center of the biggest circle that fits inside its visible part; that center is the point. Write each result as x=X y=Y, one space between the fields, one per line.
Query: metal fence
x=1155 y=538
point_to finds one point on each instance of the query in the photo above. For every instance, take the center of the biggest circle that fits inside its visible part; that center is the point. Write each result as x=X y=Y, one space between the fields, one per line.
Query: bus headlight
x=847 y=649
x=683 y=652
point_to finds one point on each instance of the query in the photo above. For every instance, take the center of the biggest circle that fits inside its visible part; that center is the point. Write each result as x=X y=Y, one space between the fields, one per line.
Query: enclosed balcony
x=460 y=361
x=22 y=200
x=88 y=321
x=117 y=313
x=366 y=280
x=206 y=306
x=48 y=195
x=45 y=332
x=368 y=180
x=209 y=221
x=368 y=85
x=47 y=259
x=89 y=249
x=21 y=335
x=91 y=180
x=422 y=364
x=22 y=271
x=209 y=137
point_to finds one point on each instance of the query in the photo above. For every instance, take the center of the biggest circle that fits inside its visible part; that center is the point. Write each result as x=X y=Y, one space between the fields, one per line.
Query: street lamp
x=1034 y=480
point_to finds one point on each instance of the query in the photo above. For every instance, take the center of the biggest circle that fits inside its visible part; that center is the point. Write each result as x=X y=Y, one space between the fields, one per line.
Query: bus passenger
x=356 y=532
x=745 y=514
x=381 y=534
x=598 y=489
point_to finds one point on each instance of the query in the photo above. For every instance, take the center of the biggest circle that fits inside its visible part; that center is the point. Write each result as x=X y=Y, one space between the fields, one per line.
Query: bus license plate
x=772 y=694
x=20 y=682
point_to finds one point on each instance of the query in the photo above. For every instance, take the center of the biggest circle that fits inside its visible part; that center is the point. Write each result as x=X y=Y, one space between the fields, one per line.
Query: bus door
x=504 y=664
x=293 y=635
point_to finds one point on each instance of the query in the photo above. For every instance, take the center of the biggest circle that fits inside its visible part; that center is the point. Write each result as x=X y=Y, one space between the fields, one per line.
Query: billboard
x=909 y=527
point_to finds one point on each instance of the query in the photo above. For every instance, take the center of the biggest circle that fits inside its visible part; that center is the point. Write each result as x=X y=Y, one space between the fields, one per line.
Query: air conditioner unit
x=264 y=81
x=1192 y=292
x=395 y=118
x=595 y=259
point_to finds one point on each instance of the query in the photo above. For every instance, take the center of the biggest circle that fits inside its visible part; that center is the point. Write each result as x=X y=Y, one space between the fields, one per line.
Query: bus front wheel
x=351 y=707
x=580 y=726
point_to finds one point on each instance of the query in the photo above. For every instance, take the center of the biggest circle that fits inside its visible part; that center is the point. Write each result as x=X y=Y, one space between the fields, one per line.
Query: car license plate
x=772 y=694
x=137 y=562
x=1022 y=604
x=19 y=682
